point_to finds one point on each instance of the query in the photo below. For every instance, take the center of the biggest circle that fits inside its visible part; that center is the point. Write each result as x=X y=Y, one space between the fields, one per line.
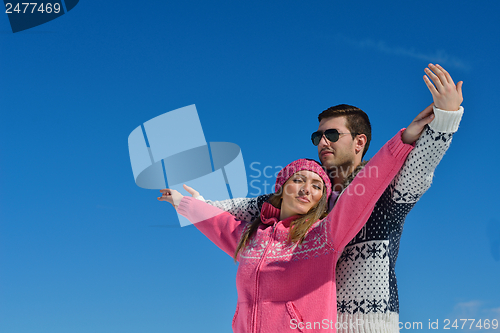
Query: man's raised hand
x=447 y=96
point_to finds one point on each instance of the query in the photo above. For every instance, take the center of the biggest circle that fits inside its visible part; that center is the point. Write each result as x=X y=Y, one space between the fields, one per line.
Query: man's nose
x=323 y=142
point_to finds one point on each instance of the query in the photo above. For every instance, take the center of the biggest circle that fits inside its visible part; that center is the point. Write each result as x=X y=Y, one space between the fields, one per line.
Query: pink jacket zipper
x=254 y=307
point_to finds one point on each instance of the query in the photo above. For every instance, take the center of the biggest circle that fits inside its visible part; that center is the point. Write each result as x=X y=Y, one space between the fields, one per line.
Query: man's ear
x=360 y=142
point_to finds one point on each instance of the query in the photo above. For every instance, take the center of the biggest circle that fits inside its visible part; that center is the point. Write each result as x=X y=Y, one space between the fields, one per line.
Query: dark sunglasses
x=331 y=134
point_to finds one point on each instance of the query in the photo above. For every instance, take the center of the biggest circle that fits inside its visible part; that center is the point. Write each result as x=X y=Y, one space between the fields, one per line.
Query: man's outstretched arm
x=433 y=130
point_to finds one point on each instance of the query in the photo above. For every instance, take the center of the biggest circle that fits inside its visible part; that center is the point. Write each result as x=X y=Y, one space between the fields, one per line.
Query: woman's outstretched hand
x=174 y=197
x=191 y=191
x=413 y=131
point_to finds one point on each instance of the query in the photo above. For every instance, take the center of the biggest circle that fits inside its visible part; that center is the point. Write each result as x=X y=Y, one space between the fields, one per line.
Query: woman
x=286 y=275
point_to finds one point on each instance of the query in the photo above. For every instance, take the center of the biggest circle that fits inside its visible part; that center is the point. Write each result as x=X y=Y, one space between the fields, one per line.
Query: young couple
x=318 y=256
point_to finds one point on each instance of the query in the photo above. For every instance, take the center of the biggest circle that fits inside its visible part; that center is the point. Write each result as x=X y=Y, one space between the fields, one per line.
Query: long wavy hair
x=298 y=227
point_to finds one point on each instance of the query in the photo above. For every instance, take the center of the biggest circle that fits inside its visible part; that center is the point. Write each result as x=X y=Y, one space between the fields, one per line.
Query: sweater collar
x=351 y=177
x=270 y=215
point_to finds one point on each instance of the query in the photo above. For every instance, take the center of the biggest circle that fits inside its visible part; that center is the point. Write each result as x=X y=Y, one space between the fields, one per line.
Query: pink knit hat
x=302 y=164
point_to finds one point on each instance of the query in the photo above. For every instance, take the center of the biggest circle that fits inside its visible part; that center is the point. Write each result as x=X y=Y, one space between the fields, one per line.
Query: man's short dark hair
x=356 y=120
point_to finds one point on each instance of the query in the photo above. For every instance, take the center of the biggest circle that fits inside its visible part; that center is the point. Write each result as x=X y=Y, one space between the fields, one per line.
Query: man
x=367 y=296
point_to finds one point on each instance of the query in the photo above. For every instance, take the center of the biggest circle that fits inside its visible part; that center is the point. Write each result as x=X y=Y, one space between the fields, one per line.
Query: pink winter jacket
x=284 y=287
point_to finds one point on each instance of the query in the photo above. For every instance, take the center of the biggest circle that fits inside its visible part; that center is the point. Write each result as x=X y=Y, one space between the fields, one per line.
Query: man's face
x=340 y=154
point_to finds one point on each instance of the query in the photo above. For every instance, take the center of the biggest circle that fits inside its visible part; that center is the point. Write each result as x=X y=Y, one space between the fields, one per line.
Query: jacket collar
x=270 y=215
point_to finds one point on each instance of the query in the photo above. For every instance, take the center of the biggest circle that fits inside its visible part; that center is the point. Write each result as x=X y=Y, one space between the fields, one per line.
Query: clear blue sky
x=83 y=249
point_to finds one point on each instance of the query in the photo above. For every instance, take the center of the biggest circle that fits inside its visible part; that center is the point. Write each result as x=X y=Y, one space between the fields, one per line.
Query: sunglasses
x=332 y=135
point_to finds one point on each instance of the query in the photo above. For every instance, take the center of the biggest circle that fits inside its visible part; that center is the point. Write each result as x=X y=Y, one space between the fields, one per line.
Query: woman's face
x=301 y=192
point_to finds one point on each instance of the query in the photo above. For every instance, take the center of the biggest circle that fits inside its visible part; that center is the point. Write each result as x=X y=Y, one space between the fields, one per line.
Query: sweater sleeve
x=356 y=203
x=416 y=175
x=246 y=209
x=223 y=229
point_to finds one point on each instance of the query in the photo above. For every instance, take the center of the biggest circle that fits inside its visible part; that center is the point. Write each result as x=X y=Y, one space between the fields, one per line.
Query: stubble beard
x=340 y=167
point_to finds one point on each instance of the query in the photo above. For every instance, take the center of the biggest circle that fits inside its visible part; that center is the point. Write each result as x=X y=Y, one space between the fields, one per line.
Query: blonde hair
x=298 y=227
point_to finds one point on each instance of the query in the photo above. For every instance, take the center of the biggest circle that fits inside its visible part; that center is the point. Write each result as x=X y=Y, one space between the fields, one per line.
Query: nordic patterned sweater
x=284 y=286
x=369 y=260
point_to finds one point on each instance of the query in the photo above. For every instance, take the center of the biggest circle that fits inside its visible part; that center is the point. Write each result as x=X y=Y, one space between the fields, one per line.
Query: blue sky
x=83 y=249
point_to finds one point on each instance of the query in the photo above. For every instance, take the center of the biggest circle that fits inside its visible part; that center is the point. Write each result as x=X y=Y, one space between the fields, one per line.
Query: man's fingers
x=431 y=75
x=429 y=85
x=438 y=70
x=459 y=87
x=446 y=74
